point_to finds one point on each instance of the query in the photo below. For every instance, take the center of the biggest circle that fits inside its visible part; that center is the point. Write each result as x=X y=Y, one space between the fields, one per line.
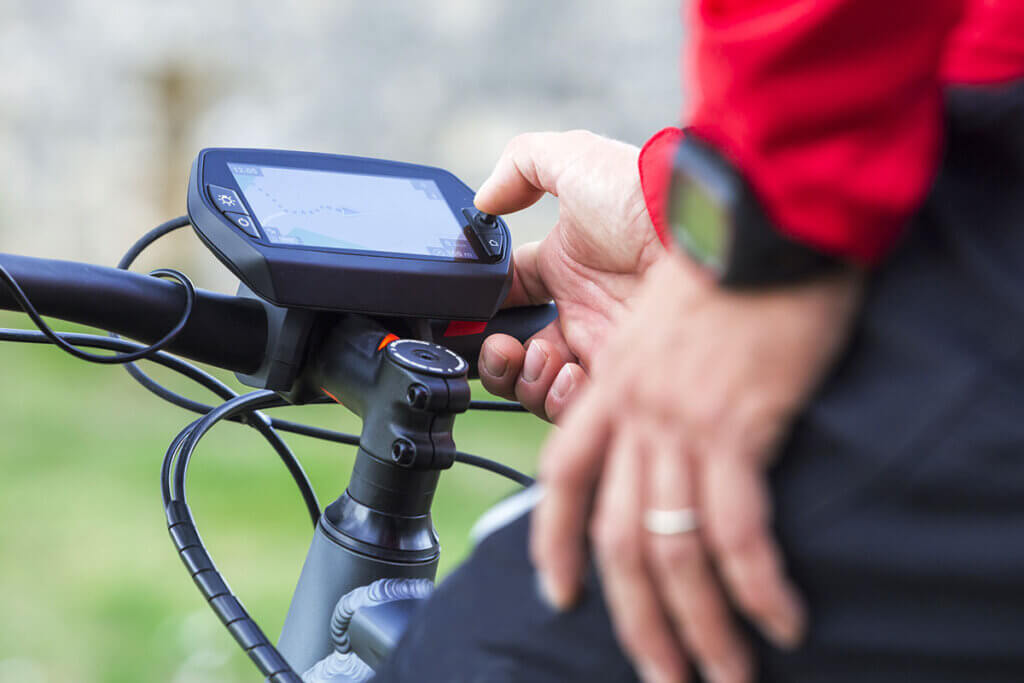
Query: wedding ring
x=670 y=522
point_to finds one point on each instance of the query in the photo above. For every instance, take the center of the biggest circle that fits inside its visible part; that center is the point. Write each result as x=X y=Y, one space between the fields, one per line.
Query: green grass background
x=91 y=590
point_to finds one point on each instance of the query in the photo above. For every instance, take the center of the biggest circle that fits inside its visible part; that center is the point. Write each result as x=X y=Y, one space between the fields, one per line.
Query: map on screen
x=352 y=211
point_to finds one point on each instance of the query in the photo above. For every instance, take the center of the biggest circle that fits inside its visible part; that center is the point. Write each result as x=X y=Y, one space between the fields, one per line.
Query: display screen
x=352 y=211
x=697 y=220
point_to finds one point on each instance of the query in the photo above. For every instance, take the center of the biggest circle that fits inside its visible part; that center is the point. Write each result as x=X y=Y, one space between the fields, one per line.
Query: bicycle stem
x=407 y=393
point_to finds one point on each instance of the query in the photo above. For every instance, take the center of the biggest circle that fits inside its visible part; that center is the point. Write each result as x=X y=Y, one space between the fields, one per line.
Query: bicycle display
x=342 y=233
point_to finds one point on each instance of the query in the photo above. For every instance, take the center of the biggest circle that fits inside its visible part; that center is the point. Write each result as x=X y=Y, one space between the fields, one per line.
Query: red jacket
x=833 y=108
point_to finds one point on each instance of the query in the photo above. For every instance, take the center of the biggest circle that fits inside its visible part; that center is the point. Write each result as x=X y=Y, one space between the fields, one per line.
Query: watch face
x=699 y=222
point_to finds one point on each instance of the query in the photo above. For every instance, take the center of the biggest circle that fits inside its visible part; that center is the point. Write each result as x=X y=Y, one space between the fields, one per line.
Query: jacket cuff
x=831 y=109
x=656 y=177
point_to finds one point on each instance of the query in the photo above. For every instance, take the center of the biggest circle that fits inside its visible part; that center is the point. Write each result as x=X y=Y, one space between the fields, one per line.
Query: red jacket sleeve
x=831 y=108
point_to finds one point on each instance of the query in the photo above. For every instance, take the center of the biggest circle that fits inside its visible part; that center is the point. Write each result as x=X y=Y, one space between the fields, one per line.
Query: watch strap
x=754 y=252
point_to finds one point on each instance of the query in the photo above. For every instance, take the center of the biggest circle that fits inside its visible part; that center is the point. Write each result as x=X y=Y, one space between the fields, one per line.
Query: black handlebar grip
x=466 y=338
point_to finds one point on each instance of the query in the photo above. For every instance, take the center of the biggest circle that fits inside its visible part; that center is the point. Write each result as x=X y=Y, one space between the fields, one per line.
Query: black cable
x=193 y=553
x=153 y=235
x=216 y=386
x=102 y=342
x=224 y=392
x=315 y=432
x=255 y=420
x=169 y=455
x=495 y=467
x=262 y=424
x=134 y=370
x=268 y=399
x=189 y=371
x=500 y=406
x=182 y=528
x=213 y=384
x=144 y=352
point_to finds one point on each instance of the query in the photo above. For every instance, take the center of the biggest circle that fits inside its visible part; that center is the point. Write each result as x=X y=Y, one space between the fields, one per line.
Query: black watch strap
x=715 y=215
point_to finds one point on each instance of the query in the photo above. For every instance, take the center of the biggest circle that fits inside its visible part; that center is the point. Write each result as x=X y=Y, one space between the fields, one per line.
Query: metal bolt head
x=418 y=396
x=403 y=452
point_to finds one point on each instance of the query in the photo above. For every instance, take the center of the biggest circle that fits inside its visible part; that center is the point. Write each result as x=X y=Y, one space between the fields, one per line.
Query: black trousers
x=899 y=496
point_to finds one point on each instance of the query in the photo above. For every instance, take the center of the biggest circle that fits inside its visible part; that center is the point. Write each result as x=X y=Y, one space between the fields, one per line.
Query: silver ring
x=670 y=522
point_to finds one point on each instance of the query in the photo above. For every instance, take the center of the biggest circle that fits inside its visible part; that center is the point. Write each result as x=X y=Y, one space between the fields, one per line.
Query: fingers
x=685 y=579
x=569 y=381
x=501 y=362
x=569 y=467
x=529 y=380
x=748 y=560
x=617 y=531
x=540 y=367
x=542 y=376
x=530 y=166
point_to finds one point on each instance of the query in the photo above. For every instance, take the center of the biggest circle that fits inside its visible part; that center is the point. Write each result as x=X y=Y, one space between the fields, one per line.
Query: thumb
x=528 y=288
x=529 y=167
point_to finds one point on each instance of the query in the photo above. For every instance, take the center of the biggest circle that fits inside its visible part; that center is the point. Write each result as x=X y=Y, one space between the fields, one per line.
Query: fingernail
x=534 y=363
x=784 y=636
x=549 y=595
x=563 y=383
x=713 y=675
x=650 y=673
x=495 y=363
x=788 y=633
x=727 y=673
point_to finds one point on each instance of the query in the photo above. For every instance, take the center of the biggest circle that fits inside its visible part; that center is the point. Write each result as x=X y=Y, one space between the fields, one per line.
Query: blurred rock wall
x=104 y=104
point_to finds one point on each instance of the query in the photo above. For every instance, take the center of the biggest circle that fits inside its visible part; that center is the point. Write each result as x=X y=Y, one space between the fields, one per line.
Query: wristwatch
x=714 y=215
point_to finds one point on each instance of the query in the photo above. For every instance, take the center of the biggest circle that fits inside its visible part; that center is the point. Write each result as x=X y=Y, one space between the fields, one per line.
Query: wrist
x=757 y=238
x=642 y=225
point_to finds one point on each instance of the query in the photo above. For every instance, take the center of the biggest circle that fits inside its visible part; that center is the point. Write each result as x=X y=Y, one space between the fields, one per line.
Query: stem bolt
x=403 y=452
x=418 y=396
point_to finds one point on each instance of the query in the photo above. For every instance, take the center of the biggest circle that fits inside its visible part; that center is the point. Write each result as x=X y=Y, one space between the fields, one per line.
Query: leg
x=486 y=624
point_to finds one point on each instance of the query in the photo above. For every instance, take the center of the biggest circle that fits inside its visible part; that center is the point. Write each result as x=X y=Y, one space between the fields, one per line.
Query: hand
x=590 y=263
x=684 y=409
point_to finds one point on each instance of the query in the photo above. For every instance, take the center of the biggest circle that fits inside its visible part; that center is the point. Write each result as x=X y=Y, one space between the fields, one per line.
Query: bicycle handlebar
x=225 y=331
x=521 y=323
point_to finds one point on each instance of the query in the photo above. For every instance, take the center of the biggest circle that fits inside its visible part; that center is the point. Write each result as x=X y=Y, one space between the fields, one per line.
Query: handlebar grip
x=521 y=323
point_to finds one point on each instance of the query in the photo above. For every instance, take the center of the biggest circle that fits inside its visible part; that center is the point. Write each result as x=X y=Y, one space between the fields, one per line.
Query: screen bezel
x=215 y=171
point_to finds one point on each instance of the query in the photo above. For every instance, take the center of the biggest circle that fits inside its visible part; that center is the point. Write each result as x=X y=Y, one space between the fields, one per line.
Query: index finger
x=530 y=166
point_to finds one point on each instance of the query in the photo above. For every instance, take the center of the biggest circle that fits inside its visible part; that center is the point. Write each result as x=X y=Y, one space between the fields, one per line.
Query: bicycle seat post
x=408 y=393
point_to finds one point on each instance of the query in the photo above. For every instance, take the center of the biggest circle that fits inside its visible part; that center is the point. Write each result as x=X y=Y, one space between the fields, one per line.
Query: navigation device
x=342 y=233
